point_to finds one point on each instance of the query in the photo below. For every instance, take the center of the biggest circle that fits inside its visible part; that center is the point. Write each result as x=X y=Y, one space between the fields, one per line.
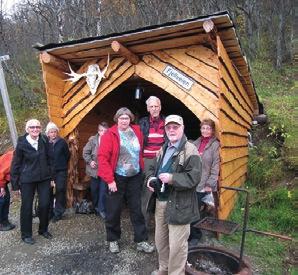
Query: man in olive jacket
x=173 y=178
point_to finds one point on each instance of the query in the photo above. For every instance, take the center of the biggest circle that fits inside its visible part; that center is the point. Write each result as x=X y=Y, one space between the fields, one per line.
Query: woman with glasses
x=120 y=166
x=208 y=148
x=31 y=170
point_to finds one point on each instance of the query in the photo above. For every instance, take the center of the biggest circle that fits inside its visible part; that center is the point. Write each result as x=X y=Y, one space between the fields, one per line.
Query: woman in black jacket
x=59 y=154
x=31 y=170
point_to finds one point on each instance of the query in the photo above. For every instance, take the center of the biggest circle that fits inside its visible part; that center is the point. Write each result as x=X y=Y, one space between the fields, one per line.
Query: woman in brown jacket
x=208 y=148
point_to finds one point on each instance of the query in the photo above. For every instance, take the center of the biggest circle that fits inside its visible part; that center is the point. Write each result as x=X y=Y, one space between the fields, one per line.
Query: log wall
x=217 y=93
x=235 y=116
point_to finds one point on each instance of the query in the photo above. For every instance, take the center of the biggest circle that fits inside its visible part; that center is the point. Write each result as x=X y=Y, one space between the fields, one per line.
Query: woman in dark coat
x=208 y=148
x=59 y=154
x=31 y=170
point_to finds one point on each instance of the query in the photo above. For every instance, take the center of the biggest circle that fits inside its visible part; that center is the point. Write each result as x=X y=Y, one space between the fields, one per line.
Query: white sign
x=178 y=77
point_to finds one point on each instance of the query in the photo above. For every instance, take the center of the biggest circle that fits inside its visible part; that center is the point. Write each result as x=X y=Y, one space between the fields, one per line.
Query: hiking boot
x=145 y=247
x=114 y=247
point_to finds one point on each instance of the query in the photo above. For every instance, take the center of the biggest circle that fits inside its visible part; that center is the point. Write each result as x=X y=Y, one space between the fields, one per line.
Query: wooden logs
x=130 y=56
x=210 y=28
x=54 y=61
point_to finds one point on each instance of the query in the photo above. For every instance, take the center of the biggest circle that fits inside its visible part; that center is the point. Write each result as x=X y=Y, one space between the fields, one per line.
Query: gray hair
x=124 y=111
x=51 y=126
x=153 y=98
x=31 y=122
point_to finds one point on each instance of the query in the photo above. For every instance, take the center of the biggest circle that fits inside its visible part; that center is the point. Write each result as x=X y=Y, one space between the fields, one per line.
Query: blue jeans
x=4 y=206
x=98 y=194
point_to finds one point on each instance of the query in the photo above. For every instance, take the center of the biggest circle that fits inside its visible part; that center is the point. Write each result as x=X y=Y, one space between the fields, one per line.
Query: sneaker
x=145 y=247
x=114 y=247
x=102 y=215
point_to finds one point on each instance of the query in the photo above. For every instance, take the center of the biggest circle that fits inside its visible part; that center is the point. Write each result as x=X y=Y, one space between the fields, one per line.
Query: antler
x=74 y=77
x=105 y=69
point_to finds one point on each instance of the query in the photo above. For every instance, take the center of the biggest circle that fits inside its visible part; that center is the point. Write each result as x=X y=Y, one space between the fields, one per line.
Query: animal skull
x=93 y=76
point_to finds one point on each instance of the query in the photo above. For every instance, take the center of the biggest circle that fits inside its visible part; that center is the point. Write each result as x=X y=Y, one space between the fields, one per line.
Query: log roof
x=156 y=37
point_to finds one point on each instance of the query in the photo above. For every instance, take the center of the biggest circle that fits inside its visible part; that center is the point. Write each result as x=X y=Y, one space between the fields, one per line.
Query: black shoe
x=56 y=219
x=193 y=242
x=46 y=235
x=28 y=240
x=6 y=226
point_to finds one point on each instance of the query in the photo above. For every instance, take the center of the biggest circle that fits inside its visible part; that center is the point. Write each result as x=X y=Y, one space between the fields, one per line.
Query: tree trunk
x=279 y=35
x=98 y=24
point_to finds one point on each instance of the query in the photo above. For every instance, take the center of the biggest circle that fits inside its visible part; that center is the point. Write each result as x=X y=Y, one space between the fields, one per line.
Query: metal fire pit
x=203 y=260
x=216 y=225
x=228 y=227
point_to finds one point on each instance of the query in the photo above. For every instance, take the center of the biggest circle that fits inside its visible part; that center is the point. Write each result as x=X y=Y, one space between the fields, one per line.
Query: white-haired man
x=152 y=127
x=173 y=178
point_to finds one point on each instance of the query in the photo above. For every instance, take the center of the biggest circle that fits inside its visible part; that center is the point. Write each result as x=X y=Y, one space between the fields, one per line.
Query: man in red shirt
x=5 y=162
x=153 y=129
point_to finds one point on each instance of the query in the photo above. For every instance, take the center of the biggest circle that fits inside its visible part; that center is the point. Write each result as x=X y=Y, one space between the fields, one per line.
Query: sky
x=8 y=5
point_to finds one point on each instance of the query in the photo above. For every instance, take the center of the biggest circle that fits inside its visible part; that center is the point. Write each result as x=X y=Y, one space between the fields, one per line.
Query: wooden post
x=130 y=56
x=211 y=30
x=7 y=105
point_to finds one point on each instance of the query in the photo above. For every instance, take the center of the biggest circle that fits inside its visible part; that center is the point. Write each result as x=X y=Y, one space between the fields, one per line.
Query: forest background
x=266 y=29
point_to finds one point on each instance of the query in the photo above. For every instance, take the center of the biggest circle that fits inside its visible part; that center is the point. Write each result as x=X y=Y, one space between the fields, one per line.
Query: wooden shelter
x=196 y=67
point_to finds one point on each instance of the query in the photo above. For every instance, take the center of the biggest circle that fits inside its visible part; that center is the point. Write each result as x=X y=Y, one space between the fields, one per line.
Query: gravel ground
x=78 y=247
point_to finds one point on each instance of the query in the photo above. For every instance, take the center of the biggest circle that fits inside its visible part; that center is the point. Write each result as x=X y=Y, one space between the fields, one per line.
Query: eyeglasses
x=206 y=128
x=34 y=127
x=172 y=127
x=124 y=118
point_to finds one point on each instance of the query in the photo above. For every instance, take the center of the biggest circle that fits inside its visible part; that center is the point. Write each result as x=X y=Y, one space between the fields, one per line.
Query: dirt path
x=78 y=247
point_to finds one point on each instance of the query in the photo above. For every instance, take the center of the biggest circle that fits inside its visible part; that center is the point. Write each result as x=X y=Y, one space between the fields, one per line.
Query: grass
x=270 y=211
x=277 y=90
x=270 y=170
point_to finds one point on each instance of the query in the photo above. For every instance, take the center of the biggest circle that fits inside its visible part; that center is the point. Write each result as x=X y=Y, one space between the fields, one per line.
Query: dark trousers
x=57 y=208
x=27 y=196
x=129 y=188
x=98 y=194
x=146 y=193
x=196 y=233
x=4 y=206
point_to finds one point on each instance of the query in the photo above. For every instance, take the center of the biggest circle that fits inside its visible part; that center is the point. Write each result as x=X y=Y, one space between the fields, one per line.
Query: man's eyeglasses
x=34 y=127
x=172 y=127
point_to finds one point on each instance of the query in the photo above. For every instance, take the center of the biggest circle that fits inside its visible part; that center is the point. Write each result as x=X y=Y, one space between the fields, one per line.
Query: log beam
x=130 y=56
x=54 y=61
x=210 y=28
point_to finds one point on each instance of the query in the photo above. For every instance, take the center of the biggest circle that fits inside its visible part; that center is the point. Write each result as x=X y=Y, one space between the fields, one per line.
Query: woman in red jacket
x=120 y=165
x=5 y=162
